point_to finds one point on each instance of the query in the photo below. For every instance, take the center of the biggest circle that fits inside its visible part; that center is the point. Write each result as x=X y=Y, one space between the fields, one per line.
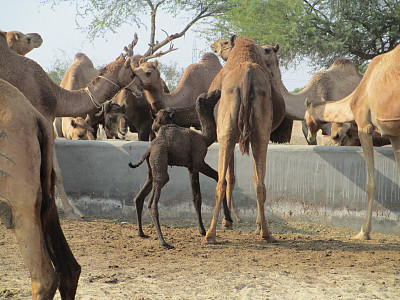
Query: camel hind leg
x=28 y=231
x=368 y=151
x=195 y=184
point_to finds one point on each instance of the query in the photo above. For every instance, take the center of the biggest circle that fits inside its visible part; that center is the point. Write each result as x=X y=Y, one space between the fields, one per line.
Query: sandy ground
x=307 y=262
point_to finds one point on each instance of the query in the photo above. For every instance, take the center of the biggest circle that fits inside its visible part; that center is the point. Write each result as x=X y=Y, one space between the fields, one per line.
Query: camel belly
x=387 y=126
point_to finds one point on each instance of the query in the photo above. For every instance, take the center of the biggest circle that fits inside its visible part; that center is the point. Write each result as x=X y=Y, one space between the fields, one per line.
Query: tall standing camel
x=195 y=80
x=250 y=108
x=53 y=101
x=373 y=105
x=332 y=84
x=23 y=43
x=27 y=203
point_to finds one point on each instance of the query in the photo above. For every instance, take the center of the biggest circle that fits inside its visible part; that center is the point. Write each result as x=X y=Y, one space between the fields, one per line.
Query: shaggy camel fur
x=195 y=80
x=27 y=203
x=177 y=146
x=53 y=101
x=250 y=108
x=346 y=134
x=23 y=43
x=373 y=106
x=77 y=128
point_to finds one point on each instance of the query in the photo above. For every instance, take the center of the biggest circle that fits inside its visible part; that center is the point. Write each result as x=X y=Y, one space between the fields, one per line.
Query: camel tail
x=245 y=120
x=142 y=159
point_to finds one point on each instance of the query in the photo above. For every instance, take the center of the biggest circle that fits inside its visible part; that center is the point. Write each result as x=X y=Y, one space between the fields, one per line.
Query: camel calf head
x=81 y=129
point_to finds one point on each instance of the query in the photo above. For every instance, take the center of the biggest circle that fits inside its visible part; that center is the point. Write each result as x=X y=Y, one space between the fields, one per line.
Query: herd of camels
x=254 y=107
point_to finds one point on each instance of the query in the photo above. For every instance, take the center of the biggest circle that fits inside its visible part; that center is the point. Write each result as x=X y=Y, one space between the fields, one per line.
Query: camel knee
x=221 y=186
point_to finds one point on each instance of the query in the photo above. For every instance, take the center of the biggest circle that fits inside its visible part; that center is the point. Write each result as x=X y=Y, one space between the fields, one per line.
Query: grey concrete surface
x=322 y=184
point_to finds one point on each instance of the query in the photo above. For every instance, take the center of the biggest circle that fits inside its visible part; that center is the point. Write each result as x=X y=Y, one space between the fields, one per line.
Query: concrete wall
x=315 y=183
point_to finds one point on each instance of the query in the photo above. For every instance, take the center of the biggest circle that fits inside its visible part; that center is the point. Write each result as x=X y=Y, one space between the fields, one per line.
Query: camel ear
x=232 y=39
x=153 y=115
x=155 y=63
x=87 y=119
x=73 y=124
x=141 y=61
x=276 y=47
x=123 y=108
x=171 y=114
x=108 y=107
x=307 y=103
x=16 y=36
x=127 y=62
x=323 y=100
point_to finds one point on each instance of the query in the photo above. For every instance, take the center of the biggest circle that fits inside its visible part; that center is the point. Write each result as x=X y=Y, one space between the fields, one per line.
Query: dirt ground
x=307 y=262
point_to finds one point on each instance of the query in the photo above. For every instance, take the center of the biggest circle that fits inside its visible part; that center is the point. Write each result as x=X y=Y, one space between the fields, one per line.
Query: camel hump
x=341 y=61
x=209 y=58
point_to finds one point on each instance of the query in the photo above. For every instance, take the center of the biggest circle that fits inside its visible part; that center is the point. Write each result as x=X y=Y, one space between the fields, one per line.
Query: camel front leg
x=368 y=151
x=71 y=211
x=230 y=184
x=28 y=230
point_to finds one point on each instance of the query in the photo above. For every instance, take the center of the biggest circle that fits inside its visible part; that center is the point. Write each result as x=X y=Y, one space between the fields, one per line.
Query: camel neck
x=79 y=103
x=208 y=127
x=294 y=103
x=334 y=111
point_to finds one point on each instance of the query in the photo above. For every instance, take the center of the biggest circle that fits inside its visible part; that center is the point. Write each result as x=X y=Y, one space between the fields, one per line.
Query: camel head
x=23 y=43
x=163 y=117
x=127 y=78
x=81 y=129
x=115 y=121
x=148 y=73
x=342 y=134
x=269 y=54
x=313 y=124
x=223 y=47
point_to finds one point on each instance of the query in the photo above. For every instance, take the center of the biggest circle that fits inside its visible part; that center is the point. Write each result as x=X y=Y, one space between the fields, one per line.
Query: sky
x=62 y=39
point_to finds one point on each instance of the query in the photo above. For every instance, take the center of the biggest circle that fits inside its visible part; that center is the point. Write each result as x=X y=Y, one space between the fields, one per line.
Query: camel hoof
x=168 y=246
x=269 y=239
x=361 y=236
x=257 y=231
x=209 y=240
x=144 y=236
x=226 y=224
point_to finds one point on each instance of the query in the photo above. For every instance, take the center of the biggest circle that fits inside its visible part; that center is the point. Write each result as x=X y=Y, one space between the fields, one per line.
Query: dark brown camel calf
x=177 y=146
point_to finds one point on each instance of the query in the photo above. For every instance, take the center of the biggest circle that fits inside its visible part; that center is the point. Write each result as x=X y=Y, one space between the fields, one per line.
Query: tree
x=171 y=74
x=108 y=15
x=320 y=30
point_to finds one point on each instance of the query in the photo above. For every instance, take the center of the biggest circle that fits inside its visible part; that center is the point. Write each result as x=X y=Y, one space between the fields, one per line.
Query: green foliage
x=320 y=30
x=57 y=71
x=171 y=74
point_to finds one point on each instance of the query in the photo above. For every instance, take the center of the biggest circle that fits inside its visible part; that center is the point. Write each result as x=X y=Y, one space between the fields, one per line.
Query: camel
x=346 y=134
x=332 y=84
x=195 y=80
x=178 y=146
x=79 y=75
x=115 y=121
x=27 y=202
x=373 y=105
x=53 y=101
x=250 y=108
x=23 y=43
x=77 y=128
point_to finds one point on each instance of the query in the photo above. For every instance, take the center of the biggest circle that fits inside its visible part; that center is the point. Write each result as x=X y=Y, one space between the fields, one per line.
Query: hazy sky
x=62 y=40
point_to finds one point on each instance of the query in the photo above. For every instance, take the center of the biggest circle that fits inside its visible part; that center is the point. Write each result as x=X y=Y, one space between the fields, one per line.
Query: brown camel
x=79 y=75
x=346 y=134
x=115 y=121
x=250 y=108
x=332 y=84
x=373 y=105
x=27 y=203
x=77 y=128
x=53 y=101
x=178 y=146
x=195 y=80
x=23 y=43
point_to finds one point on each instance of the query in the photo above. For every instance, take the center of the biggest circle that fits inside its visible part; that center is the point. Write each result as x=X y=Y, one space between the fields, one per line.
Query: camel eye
x=268 y=51
x=148 y=73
